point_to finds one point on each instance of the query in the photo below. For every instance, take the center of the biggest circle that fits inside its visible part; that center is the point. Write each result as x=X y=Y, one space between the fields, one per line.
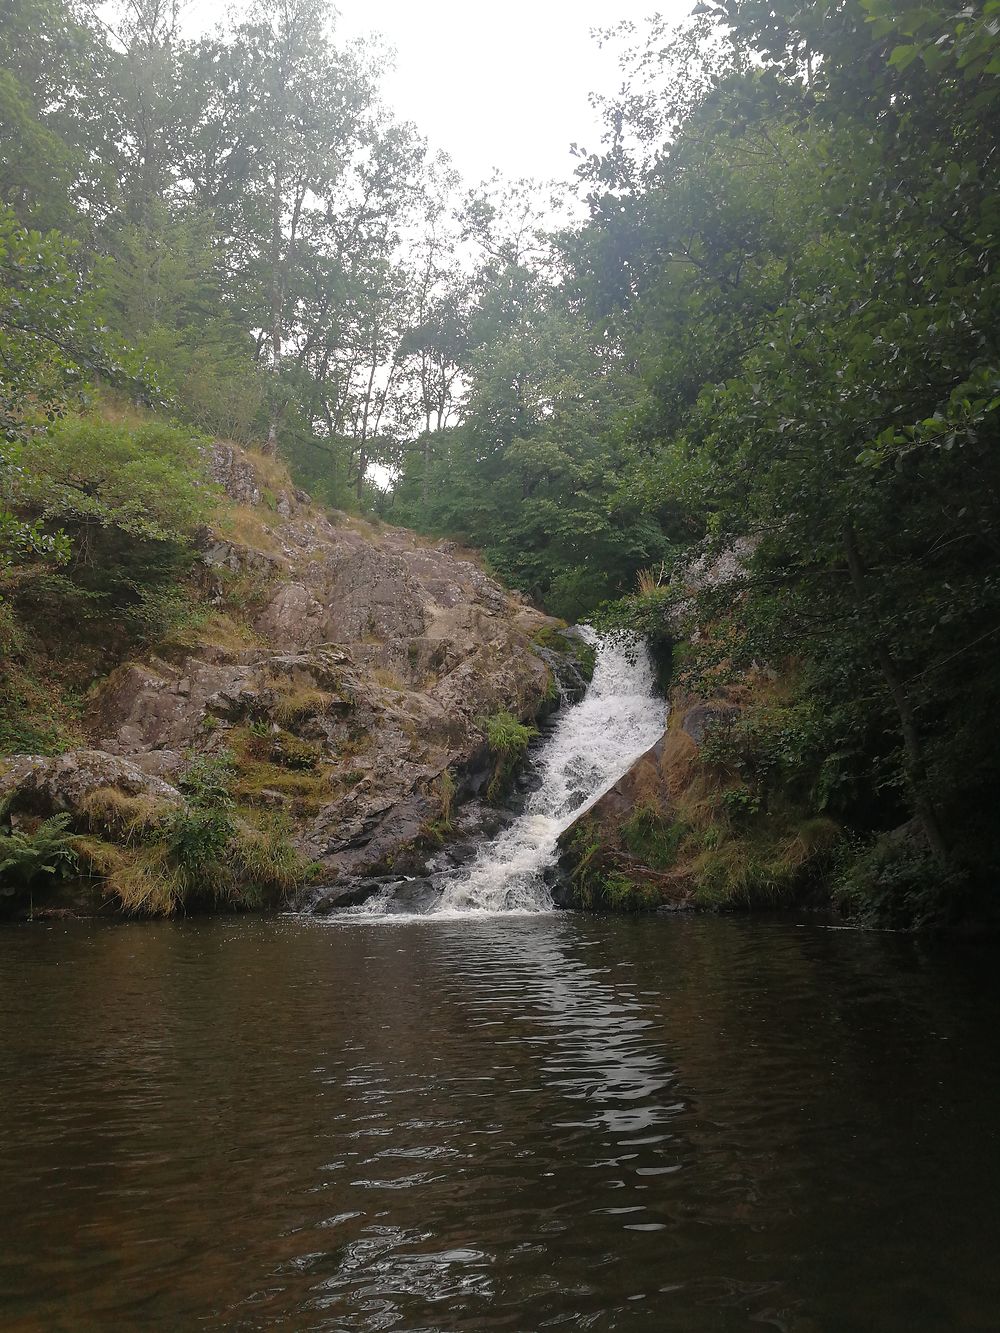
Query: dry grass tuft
x=271 y=471
x=389 y=679
x=648 y=580
x=108 y=810
x=147 y=883
x=263 y=854
x=293 y=702
x=247 y=527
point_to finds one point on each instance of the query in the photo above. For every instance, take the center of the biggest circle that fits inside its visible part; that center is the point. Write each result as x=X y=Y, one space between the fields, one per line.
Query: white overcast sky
x=500 y=84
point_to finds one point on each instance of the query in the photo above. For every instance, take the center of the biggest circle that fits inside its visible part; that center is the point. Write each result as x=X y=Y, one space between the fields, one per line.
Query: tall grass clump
x=508 y=741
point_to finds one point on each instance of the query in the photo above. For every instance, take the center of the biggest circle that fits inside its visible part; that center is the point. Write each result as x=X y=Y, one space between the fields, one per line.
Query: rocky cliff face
x=346 y=668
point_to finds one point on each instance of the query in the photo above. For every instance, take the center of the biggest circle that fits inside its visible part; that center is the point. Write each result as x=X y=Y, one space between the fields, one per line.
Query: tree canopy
x=776 y=329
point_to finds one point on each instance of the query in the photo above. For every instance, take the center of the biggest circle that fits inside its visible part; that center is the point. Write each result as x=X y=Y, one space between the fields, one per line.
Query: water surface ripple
x=521 y=1123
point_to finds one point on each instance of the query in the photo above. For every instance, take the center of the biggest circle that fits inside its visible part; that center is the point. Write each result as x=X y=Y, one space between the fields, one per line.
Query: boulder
x=46 y=784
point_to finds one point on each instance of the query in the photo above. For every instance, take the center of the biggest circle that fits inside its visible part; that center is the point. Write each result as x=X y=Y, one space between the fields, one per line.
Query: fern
x=26 y=857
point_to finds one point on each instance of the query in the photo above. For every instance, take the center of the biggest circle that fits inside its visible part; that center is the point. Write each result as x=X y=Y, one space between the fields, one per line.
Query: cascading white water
x=591 y=746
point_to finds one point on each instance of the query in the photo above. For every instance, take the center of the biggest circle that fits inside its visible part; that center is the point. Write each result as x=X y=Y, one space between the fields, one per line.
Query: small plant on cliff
x=208 y=779
x=198 y=834
x=435 y=831
x=623 y=894
x=507 y=737
x=651 y=837
x=206 y=849
x=508 y=740
x=198 y=839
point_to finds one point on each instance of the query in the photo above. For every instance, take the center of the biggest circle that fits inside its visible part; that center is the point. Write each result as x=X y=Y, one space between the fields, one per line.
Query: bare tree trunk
x=277 y=307
x=916 y=770
x=363 y=442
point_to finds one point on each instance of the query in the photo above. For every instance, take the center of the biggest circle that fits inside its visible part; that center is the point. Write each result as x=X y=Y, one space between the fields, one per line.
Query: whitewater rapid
x=592 y=744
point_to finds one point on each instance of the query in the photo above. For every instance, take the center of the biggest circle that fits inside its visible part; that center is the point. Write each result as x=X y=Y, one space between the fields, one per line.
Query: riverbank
x=313 y=699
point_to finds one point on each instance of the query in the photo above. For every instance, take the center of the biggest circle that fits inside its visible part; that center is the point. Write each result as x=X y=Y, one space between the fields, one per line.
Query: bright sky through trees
x=495 y=85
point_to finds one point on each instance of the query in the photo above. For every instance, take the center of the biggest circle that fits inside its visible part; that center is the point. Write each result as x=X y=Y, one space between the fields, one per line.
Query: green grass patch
x=508 y=741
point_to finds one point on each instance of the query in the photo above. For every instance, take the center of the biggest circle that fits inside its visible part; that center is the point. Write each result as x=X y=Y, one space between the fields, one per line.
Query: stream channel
x=499 y=1120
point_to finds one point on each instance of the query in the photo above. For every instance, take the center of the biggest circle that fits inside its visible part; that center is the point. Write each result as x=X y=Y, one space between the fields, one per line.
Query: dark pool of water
x=510 y=1124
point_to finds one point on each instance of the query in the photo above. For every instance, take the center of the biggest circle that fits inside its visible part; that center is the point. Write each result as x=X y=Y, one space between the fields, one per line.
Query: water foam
x=591 y=746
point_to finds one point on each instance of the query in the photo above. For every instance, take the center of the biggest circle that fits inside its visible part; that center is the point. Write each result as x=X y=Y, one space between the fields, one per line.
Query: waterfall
x=592 y=744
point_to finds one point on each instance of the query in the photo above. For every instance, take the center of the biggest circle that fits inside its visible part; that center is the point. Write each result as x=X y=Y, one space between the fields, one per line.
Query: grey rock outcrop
x=354 y=696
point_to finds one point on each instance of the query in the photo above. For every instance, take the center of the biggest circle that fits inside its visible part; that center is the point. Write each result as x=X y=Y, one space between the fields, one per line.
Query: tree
x=50 y=339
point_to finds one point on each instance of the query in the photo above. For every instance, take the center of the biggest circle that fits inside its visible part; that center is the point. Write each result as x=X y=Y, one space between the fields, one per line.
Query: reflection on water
x=511 y=1124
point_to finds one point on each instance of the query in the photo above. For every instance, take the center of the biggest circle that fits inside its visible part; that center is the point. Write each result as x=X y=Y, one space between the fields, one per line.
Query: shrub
x=207 y=849
x=208 y=779
x=198 y=838
x=129 y=502
x=896 y=882
x=149 y=482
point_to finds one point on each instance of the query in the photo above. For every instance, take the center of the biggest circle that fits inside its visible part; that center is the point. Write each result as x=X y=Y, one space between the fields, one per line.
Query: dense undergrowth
x=132 y=497
x=727 y=823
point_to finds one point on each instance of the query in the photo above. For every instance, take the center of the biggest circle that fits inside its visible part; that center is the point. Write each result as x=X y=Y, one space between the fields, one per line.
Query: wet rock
x=334 y=897
x=418 y=895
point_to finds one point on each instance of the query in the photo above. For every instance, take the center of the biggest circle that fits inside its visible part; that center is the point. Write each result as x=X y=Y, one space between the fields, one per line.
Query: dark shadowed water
x=532 y=1123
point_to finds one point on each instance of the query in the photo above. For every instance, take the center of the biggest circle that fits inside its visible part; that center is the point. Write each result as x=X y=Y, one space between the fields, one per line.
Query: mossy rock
x=569 y=645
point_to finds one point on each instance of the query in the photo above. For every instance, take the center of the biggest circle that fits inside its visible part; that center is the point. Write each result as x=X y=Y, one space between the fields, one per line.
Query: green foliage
x=894 y=882
x=50 y=338
x=623 y=894
x=126 y=504
x=598 y=884
x=581 y=653
x=507 y=737
x=27 y=858
x=533 y=474
x=206 y=851
x=651 y=837
x=207 y=780
x=293 y=752
x=148 y=483
x=804 y=285
x=198 y=839
x=770 y=745
x=508 y=741
x=741 y=803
